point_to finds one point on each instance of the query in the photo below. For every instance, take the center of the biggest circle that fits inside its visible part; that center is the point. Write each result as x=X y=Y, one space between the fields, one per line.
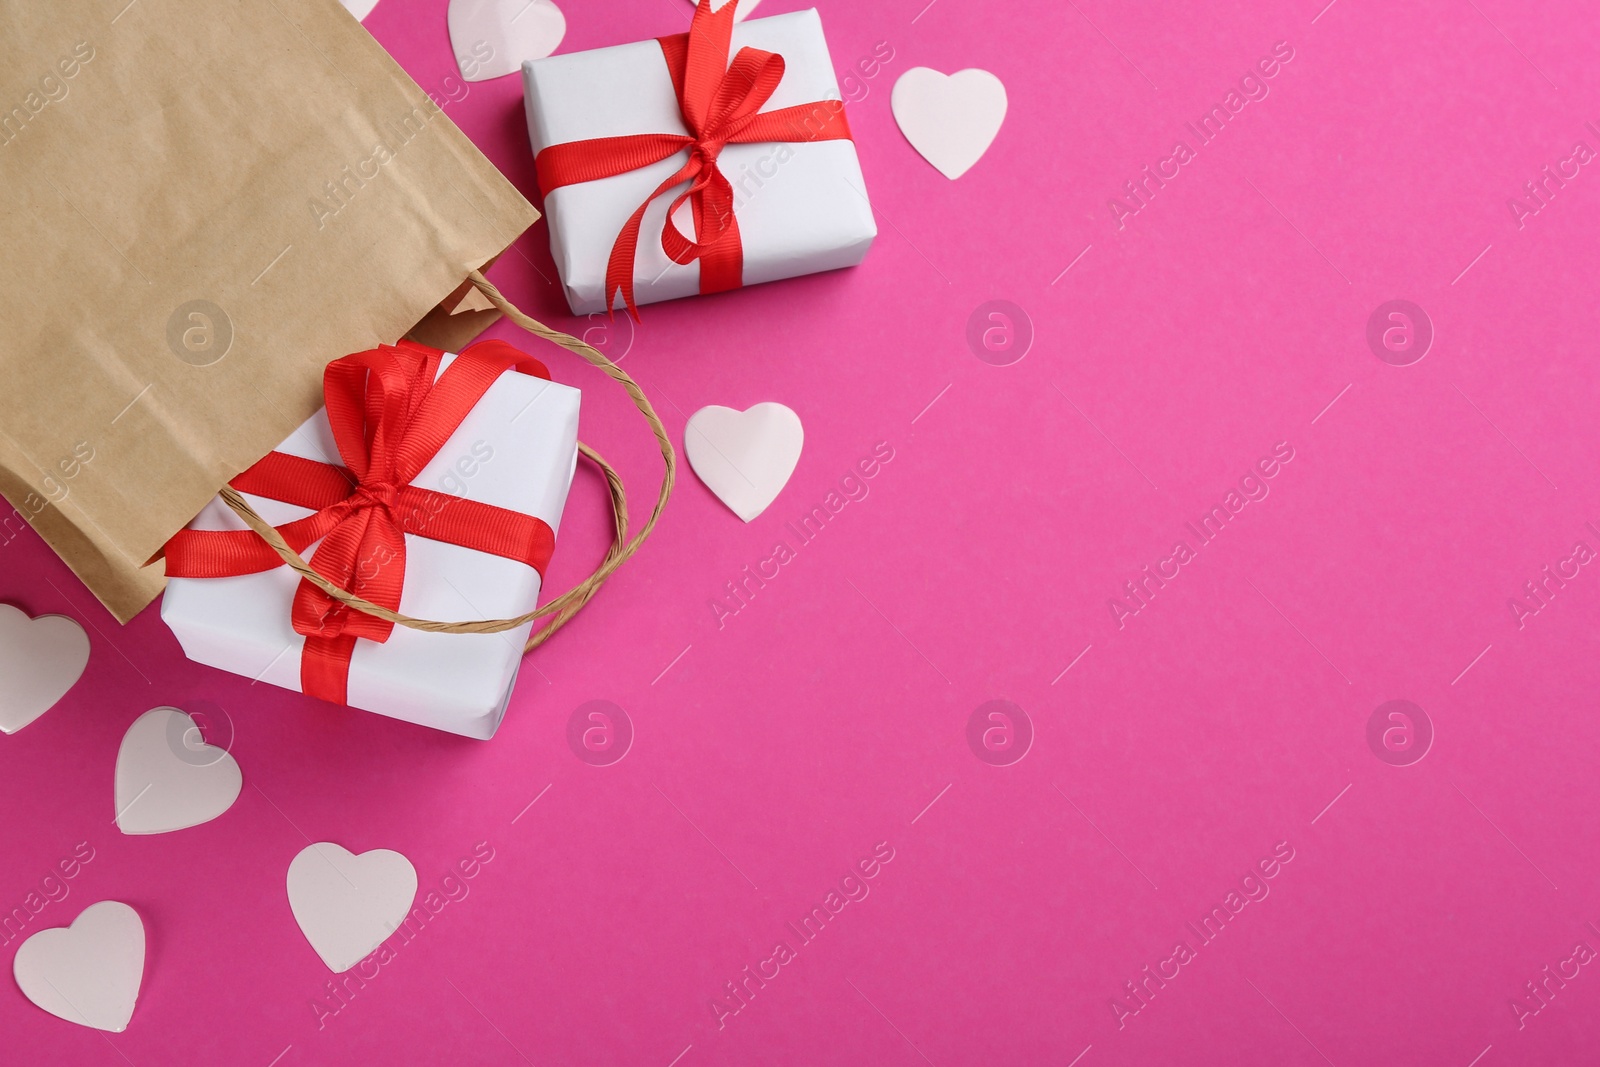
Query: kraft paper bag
x=205 y=203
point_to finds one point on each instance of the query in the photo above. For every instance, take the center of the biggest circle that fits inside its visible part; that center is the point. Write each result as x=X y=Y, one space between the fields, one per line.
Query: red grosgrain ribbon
x=389 y=418
x=720 y=104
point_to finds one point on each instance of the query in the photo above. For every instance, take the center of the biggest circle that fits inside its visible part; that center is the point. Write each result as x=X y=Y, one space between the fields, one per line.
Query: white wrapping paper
x=516 y=449
x=802 y=208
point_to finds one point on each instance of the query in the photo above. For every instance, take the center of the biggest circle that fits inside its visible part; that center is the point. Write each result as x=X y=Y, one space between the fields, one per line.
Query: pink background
x=774 y=752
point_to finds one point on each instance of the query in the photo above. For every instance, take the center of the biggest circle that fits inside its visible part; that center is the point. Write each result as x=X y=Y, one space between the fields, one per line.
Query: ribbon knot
x=375 y=494
x=390 y=417
x=704 y=153
x=720 y=103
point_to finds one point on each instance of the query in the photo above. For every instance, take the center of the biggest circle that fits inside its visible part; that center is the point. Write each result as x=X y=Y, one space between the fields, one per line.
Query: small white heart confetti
x=744 y=457
x=40 y=659
x=491 y=38
x=168 y=778
x=88 y=973
x=346 y=904
x=952 y=120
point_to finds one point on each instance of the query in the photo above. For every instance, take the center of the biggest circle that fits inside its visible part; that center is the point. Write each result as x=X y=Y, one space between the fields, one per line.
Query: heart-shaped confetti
x=952 y=120
x=40 y=659
x=492 y=38
x=347 y=905
x=744 y=457
x=168 y=778
x=88 y=973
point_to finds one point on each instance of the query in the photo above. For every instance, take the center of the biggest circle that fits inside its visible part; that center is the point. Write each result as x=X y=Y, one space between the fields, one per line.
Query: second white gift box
x=611 y=125
x=514 y=449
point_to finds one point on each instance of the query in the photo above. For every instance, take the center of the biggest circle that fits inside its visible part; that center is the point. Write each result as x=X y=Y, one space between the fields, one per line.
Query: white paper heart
x=87 y=973
x=744 y=457
x=168 y=778
x=359 y=8
x=40 y=659
x=491 y=38
x=951 y=120
x=745 y=7
x=347 y=905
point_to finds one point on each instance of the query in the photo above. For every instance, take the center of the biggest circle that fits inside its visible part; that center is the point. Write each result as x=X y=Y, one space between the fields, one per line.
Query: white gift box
x=801 y=207
x=516 y=449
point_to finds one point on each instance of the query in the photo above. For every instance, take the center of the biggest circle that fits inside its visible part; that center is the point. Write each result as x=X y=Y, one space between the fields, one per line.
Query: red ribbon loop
x=389 y=419
x=721 y=105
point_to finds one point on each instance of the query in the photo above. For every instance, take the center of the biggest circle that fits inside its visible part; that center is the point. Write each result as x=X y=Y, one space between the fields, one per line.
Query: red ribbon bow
x=720 y=104
x=389 y=418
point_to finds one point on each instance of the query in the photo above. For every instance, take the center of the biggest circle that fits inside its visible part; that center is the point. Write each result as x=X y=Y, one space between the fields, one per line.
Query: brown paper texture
x=204 y=204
